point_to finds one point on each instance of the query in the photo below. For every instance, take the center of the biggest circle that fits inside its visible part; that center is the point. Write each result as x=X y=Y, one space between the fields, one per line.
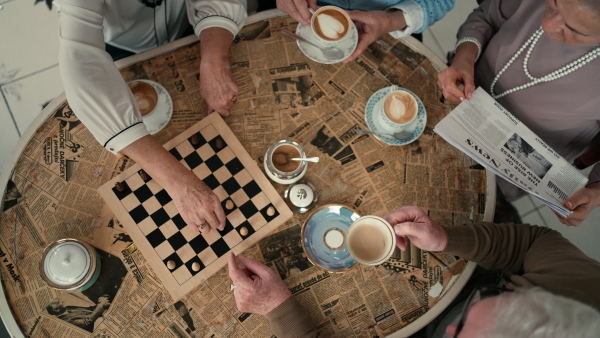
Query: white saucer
x=417 y=126
x=347 y=46
x=163 y=111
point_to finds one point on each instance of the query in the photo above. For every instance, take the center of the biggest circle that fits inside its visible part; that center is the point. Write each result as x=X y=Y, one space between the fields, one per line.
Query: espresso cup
x=145 y=95
x=398 y=109
x=371 y=240
x=331 y=25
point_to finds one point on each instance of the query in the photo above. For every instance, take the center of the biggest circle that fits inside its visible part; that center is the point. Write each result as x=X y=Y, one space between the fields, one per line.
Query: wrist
x=395 y=20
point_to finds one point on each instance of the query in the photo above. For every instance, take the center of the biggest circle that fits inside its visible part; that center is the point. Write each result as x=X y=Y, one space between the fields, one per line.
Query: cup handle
x=312 y=11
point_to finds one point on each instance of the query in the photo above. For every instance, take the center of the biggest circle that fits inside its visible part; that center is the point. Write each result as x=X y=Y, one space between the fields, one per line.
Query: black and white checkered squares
x=157 y=218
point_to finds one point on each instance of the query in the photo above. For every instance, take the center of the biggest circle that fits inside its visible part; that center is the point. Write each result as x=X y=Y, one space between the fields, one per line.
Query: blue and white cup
x=396 y=110
x=331 y=25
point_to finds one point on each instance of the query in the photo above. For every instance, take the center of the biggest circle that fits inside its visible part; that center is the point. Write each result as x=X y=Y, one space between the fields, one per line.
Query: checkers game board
x=181 y=257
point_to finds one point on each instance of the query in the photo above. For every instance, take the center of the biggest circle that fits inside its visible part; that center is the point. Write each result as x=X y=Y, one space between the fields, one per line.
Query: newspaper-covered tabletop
x=51 y=193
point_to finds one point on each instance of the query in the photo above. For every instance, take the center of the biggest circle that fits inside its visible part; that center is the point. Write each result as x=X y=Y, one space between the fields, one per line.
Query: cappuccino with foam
x=400 y=107
x=331 y=24
x=145 y=95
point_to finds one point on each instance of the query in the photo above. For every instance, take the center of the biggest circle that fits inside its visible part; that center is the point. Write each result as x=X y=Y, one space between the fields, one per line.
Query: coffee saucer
x=160 y=117
x=417 y=126
x=347 y=46
x=324 y=237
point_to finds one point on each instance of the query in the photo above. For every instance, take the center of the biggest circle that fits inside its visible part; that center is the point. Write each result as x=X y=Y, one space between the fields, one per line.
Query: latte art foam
x=330 y=27
x=331 y=23
x=400 y=107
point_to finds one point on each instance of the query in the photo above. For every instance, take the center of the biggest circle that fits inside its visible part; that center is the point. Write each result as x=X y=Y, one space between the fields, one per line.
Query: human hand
x=412 y=222
x=217 y=86
x=371 y=25
x=258 y=289
x=103 y=301
x=298 y=9
x=199 y=207
x=581 y=203
x=460 y=73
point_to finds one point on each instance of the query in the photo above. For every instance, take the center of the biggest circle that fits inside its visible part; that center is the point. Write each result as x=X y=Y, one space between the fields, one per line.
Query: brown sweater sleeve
x=290 y=320
x=529 y=255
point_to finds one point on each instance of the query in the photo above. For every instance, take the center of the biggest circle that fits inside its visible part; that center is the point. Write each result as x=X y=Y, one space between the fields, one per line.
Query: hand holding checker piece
x=181 y=257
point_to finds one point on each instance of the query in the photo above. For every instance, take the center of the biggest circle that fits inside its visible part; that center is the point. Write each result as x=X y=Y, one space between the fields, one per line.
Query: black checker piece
x=220 y=247
x=156 y=238
x=252 y=189
x=163 y=197
x=193 y=160
x=199 y=244
x=214 y=141
x=248 y=209
x=201 y=140
x=231 y=186
x=214 y=163
x=177 y=241
x=122 y=194
x=176 y=154
x=211 y=181
x=189 y=263
x=138 y=214
x=143 y=193
x=234 y=166
x=160 y=217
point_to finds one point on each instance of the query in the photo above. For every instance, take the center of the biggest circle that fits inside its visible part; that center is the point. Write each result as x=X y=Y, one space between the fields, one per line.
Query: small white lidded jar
x=70 y=265
x=278 y=166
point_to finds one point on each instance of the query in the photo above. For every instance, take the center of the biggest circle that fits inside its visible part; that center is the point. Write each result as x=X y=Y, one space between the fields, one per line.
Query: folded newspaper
x=488 y=133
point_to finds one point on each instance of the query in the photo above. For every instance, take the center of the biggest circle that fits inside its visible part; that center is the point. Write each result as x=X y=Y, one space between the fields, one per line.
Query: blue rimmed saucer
x=417 y=126
x=324 y=237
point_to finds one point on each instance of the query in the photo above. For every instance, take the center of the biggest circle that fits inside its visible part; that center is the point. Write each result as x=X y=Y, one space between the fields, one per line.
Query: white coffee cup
x=331 y=25
x=396 y=110
x=371 y=240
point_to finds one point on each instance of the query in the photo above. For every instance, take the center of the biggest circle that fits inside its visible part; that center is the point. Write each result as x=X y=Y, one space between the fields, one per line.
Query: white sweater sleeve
x=227 y=14
x=94 y=87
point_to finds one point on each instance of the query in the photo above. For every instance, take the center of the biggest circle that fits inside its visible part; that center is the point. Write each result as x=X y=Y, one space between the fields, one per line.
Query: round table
x=54 y=173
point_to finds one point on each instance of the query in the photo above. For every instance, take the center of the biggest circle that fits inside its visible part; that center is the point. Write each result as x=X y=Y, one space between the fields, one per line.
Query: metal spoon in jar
x=282 y=159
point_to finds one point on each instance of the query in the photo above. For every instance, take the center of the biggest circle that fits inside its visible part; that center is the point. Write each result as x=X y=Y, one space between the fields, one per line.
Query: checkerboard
x=150 y=216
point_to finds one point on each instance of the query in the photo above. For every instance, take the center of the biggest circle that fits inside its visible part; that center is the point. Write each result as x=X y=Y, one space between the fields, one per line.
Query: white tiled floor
x=29 y=78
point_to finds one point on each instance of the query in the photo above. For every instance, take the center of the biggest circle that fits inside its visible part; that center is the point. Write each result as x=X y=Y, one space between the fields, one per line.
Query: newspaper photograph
x=488 y=133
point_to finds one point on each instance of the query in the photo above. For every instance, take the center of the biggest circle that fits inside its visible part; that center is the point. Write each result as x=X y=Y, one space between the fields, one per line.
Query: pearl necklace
x=557 y=74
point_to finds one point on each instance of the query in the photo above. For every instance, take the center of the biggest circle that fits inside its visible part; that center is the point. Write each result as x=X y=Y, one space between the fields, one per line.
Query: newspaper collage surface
x=52 y=194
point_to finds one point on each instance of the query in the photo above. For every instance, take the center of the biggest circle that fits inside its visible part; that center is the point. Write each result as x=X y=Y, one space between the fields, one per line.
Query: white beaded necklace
x=557 y=74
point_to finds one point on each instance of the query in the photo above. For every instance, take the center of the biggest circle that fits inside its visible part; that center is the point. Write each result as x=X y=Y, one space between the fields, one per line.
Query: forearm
x=214 y=45
x=466 y=54
x=500 y=246
x=290 y=320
